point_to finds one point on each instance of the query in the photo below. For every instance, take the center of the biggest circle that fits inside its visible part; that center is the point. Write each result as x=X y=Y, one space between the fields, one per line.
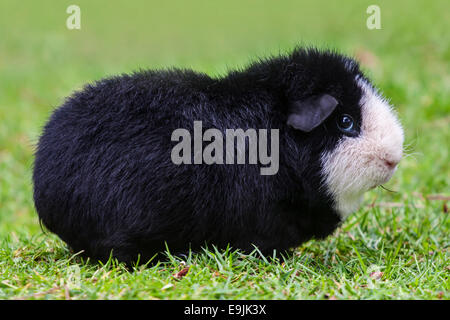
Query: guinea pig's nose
x=391 y=163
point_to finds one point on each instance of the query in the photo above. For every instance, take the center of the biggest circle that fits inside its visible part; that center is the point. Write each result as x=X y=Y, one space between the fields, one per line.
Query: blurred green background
x=41 y=62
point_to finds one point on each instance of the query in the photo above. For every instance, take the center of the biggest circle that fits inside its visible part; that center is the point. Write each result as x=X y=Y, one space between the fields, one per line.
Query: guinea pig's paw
x=360 y=163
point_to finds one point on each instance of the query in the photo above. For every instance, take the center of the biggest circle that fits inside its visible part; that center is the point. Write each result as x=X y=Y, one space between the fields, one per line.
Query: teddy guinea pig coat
x=105 y=183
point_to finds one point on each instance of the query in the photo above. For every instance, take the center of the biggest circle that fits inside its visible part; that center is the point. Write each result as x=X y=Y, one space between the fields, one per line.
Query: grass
x=395 y=247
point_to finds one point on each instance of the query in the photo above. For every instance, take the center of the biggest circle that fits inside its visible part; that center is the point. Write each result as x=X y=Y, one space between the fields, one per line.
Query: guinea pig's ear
x=307 y=114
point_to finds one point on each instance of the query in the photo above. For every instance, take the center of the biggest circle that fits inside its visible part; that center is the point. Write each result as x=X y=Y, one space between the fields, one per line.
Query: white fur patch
x=358 y=164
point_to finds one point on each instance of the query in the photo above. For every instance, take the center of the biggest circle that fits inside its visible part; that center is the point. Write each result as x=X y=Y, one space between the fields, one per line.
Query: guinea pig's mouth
x=374 y=186
x=380 y=183
x=383 y=178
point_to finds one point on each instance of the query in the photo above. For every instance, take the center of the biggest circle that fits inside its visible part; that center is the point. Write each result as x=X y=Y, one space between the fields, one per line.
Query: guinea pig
x=106 y=182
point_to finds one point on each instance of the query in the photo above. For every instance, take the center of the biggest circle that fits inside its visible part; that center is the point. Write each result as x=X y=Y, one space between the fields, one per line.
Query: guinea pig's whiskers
x=383 y=187
x=411 y=155
x=408 y=150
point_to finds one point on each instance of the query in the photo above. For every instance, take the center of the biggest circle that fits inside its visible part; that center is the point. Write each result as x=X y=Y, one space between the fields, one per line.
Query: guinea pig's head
x=359 y=134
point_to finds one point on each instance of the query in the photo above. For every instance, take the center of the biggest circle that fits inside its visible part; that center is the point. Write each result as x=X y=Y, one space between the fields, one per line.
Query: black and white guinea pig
x=105 y=181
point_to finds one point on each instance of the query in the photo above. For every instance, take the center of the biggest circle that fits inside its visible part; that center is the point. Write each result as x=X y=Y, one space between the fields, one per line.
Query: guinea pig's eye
x=346 y=123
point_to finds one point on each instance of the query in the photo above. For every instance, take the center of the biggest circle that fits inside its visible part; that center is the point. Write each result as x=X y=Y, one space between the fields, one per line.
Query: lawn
x=395 y=247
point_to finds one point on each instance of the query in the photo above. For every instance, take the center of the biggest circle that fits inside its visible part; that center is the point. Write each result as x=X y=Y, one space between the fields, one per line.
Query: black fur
x=104 y=179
